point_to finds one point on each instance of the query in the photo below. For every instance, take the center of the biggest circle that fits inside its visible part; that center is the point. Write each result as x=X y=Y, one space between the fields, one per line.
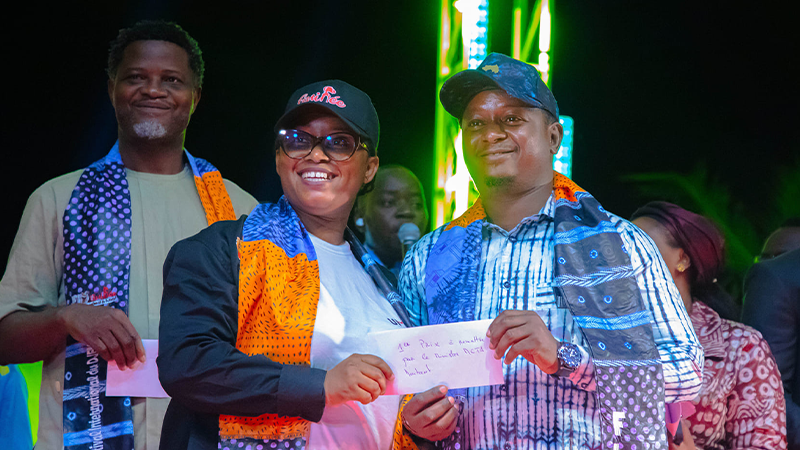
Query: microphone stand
x=371 y=266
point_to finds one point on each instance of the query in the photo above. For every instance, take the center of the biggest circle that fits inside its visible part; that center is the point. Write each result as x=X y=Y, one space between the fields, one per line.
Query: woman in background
x=741 y=404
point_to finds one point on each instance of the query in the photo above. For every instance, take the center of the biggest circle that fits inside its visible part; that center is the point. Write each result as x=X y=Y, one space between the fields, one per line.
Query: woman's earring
x=360 y=222
x=681 y=268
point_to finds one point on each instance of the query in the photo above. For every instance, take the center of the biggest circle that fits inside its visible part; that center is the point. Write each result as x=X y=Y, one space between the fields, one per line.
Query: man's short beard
x=498 y=181
x=151 y=129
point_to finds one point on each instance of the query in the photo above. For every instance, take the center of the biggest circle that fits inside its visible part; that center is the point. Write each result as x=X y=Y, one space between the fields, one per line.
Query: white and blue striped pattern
x=614 y=323
x=626 y=363
x=596 y=278
x=108 y=432
x=579 y=233
x=533 y=410
x=82 y=391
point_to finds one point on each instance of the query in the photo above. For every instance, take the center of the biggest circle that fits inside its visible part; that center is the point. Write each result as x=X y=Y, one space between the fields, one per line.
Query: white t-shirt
x=350 y=307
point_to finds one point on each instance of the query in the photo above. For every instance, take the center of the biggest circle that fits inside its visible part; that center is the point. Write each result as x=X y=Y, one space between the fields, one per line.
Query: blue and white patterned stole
x=97 y=260
x=594 y=278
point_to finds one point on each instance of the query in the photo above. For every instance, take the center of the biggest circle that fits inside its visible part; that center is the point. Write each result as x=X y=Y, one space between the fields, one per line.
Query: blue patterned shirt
x=533 y=410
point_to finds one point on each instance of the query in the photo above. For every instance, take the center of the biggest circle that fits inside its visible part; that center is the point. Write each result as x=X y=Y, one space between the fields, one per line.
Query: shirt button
x=507 y=446
x=506 y=284
x=512 y=239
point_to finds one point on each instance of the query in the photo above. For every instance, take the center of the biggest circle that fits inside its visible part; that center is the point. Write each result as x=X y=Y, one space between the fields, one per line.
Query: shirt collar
x=545 y=214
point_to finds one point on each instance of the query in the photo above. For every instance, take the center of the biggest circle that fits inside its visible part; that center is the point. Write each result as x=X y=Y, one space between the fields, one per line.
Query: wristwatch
x=569 y=358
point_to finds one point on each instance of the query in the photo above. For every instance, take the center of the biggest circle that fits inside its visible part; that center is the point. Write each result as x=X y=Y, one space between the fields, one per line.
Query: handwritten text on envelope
x=454 y=354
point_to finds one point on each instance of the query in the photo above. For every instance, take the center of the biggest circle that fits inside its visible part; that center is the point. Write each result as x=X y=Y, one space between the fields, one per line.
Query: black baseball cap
x=348 y=102
x=519 y=79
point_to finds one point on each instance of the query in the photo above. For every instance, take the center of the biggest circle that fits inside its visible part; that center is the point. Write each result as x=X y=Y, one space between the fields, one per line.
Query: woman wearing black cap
x=741 y=404
x=264 y=319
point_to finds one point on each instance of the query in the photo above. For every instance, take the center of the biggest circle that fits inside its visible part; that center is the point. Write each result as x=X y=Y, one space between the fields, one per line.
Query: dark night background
x=652 y=86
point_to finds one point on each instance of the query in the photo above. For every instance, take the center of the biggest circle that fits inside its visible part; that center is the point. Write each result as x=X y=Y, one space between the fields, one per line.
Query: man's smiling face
x=507 y=143
x=153 y=91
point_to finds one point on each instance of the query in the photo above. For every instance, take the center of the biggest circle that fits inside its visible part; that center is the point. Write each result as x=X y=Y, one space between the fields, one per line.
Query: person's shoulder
x=220 y=229
x=421 y=249
x=634 y=236
x=746 y=342
x=60 y=184
x=243 y=201
x=786 y=261
x=217 y=237
x=739 y=336
x=777 y=273
x=52 y=196
x=233 y=187
x=738 y=329
x=623 y=225
x=429 y=239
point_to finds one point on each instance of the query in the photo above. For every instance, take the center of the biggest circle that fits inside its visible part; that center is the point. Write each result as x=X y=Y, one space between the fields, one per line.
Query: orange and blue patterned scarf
x=97 y=252
x=278 y=294
x=279 y=289
x=594 y=278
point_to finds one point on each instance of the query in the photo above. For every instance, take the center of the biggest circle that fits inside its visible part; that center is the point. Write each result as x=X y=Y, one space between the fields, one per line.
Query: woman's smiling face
x=317 y=185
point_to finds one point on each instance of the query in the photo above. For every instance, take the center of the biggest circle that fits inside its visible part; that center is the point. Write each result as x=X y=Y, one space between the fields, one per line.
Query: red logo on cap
x=321 y=97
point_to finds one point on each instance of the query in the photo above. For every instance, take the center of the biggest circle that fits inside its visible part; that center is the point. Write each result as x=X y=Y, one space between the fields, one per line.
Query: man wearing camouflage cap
x=591 y=328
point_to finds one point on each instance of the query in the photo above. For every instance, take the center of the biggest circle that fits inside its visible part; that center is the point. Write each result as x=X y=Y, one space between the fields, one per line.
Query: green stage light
x=562 y=162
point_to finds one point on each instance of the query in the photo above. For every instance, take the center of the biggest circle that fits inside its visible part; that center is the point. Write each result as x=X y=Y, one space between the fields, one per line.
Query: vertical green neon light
x=544 y=42
x=444 y=124
x=466 y=22
x=562 y=162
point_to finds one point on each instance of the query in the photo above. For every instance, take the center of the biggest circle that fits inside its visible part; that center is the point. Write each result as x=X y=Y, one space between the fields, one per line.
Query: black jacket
x=772 y=306
x=198 y=363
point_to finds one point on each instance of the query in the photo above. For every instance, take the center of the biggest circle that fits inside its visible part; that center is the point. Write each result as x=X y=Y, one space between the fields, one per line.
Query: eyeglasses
x=298 y=144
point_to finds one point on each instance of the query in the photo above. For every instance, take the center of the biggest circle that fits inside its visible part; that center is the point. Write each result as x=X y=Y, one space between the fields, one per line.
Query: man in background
x=772 y=306
x=396 y=199
x=84 y=277
x=784 y=239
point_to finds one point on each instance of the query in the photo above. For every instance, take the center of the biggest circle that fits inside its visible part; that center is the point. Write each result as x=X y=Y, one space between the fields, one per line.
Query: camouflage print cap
x=519 y=79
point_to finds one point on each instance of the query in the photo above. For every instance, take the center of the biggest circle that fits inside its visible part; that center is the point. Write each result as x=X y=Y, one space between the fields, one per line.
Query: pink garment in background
x=741 y=403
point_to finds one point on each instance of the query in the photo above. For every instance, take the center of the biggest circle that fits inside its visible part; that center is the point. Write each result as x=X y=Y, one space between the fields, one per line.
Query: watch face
x=569 y=356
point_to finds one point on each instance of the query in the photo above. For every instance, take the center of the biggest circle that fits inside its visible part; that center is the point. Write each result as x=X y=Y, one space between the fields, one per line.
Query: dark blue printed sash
x=594 y=277
x=97 y=259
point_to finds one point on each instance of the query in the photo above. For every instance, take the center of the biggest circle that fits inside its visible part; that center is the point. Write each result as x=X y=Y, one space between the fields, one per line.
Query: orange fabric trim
x=214 y=197
x=564 y=188
x=475 y=212
x=402 y=440
x=278 y=299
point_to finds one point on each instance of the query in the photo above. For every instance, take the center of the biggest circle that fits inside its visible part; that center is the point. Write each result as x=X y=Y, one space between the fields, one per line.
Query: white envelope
x=456 y=355
x=141 y=381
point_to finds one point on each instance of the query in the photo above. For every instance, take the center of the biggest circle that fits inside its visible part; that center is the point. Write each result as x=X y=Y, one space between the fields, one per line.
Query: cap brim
x=290 y=117
x=459 y=89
